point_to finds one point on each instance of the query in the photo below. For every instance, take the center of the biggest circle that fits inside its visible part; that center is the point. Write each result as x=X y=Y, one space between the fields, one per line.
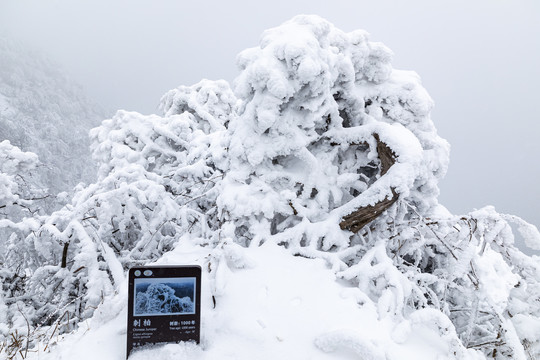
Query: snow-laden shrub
x=321 y=130
x=19 y=201
x=156 y=183
x=15 y=194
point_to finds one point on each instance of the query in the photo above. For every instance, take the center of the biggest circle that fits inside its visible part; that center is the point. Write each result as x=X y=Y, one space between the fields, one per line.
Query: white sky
x=479 y=60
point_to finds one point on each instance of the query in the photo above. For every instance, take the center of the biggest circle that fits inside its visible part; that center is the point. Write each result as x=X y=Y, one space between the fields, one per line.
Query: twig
x=27 y=334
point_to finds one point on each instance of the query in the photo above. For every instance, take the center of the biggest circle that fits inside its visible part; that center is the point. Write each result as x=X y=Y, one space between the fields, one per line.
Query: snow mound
x=294 y=310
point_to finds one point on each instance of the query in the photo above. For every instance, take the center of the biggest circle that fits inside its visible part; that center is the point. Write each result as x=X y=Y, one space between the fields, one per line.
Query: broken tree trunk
x=356 y=220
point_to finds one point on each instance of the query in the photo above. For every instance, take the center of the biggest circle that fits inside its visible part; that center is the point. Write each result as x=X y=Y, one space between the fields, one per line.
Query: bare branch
x=364 y=215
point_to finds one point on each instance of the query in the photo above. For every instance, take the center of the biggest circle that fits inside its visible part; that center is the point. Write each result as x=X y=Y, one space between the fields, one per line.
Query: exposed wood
x=386 y=155
x=356 y=220
x=64 y=255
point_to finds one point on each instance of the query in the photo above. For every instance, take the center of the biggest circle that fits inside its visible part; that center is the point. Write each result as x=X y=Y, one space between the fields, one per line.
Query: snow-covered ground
x=276 y=306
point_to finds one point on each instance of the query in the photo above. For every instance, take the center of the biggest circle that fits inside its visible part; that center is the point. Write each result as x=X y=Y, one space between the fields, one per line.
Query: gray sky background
x=479 y=60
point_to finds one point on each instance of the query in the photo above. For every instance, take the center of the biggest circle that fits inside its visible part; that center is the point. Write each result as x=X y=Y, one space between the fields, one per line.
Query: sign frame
x=164 y=305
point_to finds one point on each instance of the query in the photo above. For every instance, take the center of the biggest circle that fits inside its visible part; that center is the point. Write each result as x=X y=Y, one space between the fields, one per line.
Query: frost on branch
x=210 y=102
x=13 y=165
x=16 y=195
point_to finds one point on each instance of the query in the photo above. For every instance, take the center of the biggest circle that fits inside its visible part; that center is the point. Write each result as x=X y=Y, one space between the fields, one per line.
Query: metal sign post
x=164 y=305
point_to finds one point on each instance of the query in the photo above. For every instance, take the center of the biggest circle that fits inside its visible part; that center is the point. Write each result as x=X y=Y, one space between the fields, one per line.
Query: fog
x=478 y=60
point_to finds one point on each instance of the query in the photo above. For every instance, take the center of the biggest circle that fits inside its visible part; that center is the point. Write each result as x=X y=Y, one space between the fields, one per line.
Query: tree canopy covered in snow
x=160 y=298
x=317 y=131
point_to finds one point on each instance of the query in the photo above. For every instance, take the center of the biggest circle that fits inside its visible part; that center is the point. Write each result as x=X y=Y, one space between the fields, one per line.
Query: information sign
x=164 y=305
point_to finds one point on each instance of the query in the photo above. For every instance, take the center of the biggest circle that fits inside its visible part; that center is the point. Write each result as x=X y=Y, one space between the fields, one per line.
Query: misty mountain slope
x=43 y=112
x=308 y=194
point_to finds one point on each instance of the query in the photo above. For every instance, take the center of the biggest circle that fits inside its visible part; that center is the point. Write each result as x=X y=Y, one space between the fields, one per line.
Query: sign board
x=164 y=305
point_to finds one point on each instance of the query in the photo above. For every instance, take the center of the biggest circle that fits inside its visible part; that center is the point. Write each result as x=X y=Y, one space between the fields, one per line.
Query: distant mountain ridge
x=42 y=111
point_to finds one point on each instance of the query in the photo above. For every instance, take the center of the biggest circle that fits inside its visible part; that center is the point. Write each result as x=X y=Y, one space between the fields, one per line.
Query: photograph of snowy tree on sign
x=164 y=297
x=313 y=184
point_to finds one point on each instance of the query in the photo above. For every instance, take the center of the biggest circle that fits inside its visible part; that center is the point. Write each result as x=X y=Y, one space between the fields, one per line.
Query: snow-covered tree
x=15 y=194
x=161 y=298
x=19 y=202
x=326 y=127
x=156 y=184
x=334 y=155
x=43 y=112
